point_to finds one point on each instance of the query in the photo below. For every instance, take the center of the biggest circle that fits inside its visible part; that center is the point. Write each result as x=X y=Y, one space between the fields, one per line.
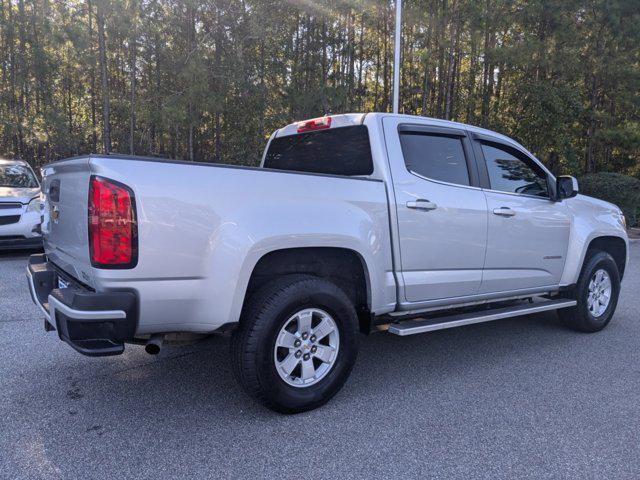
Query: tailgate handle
x=54 y=191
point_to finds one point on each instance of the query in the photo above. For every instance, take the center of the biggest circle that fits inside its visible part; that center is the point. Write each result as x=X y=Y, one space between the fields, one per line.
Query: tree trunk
x=92 y=79
x=487 y=76
x=450 y=70
x=427 y=63
x=132 y=79
x=590 y=163
x=102 y=48
x=159 y=130
x=190 y=106
x=471 y=84
x=376 y=76
x=386 y=92
x=455 y=88
x=361 y=54
x=441 y=47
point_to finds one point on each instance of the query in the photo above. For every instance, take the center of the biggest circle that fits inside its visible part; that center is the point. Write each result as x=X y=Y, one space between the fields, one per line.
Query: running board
x=422 y=325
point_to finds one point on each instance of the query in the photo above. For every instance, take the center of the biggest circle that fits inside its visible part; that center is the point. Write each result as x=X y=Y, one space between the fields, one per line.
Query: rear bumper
x=94 y=324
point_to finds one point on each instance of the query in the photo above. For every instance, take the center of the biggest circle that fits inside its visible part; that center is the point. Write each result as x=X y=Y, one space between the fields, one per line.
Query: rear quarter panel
x=202 y=229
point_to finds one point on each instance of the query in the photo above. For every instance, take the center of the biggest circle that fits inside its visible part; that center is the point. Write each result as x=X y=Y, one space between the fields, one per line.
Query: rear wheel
x=296 y=343
x=596 y=293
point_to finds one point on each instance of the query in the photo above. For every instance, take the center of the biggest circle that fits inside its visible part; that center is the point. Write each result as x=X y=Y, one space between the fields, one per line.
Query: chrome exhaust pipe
x=152 y=347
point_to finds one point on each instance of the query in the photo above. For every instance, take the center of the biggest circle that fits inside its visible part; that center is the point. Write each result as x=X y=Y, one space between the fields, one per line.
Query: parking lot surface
x=517 y=398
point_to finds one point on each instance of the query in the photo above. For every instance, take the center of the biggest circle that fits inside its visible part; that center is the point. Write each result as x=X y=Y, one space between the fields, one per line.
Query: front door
x=528 y=232
x=441 y=212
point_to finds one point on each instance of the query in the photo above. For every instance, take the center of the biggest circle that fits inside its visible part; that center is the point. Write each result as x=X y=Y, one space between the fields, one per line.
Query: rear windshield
x=336 y=151
x=17 y=176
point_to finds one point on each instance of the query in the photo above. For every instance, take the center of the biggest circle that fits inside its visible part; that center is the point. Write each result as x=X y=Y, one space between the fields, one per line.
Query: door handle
x=421 y=204
x=504 y=212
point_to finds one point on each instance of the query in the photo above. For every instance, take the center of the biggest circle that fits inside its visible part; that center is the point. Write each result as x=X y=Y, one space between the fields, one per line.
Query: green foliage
x=210 y=80
x=622 y=190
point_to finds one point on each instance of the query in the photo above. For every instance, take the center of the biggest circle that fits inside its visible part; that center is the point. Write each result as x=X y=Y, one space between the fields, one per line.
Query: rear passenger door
x=528 y=232
x=441 y=211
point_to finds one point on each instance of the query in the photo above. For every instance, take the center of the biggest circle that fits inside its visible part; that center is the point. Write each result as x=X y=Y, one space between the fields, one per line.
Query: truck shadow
x=187 y=397
x=197 y=382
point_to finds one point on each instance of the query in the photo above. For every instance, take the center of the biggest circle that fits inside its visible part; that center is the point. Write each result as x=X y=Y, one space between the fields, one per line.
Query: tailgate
x=65 y=186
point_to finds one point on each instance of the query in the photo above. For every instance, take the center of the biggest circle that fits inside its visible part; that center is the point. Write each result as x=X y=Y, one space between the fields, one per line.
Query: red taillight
x=113 y=241
x=319 y=123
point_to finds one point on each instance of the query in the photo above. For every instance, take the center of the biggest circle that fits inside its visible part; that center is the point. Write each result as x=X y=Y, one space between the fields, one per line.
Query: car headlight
x=622 y=219
x=35 y=205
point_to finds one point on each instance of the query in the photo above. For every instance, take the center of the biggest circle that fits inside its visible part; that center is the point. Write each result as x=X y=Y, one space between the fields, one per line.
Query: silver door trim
x=442 y=182
x=513 y=194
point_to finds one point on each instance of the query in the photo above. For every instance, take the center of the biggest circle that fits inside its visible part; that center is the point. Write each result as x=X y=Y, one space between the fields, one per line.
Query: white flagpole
x=396 y=58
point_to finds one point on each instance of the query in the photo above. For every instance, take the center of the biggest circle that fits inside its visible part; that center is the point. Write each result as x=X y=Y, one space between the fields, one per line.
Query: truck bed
x=201 y=226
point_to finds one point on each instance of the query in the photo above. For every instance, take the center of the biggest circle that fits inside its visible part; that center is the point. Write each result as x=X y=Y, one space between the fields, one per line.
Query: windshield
x=17 y=176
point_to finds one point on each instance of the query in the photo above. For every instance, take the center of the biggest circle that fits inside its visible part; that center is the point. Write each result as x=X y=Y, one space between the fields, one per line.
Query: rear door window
x=335 y=151
x=437 y=157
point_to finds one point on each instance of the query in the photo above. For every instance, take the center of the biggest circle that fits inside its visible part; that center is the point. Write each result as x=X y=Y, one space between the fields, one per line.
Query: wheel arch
x=614 y=246
x=343 y=266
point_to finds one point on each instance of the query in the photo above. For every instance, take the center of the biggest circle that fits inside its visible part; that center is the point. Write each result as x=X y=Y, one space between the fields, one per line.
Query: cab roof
x=335 y=121
x=350 y=119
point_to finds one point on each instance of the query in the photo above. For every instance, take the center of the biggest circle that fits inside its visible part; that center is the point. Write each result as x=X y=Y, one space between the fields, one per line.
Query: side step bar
x=422 y=325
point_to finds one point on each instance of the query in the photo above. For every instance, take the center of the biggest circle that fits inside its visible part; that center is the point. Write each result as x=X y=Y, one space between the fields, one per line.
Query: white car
x=20 y=206
x=357 y=222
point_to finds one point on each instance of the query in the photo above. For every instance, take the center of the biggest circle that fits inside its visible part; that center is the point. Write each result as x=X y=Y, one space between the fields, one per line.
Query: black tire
x=579 y=317
x=252 y=344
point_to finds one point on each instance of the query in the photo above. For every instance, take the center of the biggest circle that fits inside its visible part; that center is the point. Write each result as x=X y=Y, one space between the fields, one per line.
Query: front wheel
x=596 y=293
x=296 y=343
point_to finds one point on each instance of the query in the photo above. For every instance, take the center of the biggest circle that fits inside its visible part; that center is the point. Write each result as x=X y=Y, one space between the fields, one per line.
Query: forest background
x=207 y=80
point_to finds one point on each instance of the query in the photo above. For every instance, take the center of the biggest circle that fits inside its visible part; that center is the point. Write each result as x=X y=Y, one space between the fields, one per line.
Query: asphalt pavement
x=517 y=398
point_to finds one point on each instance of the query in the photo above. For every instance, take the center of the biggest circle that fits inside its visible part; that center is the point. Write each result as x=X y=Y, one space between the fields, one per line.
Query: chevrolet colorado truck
x=352 y=223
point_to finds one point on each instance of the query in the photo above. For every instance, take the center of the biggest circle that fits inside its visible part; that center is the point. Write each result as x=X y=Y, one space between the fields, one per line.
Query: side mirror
x=566 y=187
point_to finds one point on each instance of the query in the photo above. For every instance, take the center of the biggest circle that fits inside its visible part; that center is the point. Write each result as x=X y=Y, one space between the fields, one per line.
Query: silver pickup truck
x=357 y=222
